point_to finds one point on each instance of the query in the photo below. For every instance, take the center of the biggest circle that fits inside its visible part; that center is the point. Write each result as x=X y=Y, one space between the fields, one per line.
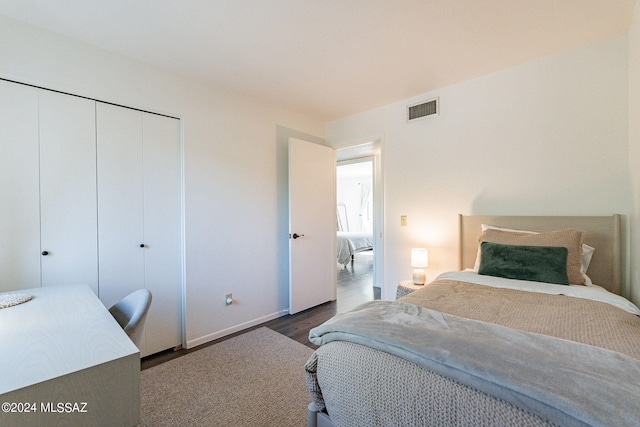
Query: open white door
x=312 y=225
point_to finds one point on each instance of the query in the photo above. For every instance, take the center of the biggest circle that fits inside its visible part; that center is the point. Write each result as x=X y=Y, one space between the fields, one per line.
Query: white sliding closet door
x=139 y=199
x=120 y=202
x=68 y=190
x=162 y=232
x=19 y=188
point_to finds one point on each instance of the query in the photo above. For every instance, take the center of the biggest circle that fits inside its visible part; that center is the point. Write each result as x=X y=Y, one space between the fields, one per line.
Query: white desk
x=65 y=359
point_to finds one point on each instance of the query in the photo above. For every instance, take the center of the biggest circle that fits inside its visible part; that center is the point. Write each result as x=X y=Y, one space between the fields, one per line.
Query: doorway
x=359 y=223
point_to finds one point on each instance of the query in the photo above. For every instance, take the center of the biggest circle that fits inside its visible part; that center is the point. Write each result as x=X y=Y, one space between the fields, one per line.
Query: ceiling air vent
x=423 y=109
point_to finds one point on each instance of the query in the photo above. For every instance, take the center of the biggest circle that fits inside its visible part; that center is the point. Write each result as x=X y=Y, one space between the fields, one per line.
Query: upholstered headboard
x=602 y=232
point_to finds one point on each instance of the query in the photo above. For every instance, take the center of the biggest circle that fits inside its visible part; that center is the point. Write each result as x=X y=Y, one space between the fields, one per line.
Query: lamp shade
x=419 y=258
x=419 y=261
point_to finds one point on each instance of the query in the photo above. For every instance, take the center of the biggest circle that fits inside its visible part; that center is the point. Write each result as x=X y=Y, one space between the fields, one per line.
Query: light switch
x=403 y=221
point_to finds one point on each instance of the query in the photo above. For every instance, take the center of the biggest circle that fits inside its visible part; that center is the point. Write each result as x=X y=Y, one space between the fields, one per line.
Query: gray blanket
x=566 y=382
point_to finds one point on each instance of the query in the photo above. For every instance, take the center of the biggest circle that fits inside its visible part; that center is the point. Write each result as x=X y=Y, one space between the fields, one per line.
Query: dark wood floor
x=355 y=286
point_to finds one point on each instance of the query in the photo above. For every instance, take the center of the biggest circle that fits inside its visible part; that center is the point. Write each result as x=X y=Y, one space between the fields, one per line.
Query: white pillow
x=587 y=251
x=486 y=227
x=587 y=254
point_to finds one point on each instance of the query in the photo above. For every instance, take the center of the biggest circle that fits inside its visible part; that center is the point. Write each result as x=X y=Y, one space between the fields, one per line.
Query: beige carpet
x=254 y=379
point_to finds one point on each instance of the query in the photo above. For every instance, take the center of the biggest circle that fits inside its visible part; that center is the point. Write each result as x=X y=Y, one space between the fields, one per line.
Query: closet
x=19 y=188
x=92 y=194
x=139 y=210
x=68 y=213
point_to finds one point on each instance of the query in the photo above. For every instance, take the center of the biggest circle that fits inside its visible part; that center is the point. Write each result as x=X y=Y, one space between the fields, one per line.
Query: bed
x=473 y=348
x=350 y=243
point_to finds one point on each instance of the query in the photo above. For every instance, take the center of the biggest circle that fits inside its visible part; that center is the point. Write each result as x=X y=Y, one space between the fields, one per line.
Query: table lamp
x=419 y=261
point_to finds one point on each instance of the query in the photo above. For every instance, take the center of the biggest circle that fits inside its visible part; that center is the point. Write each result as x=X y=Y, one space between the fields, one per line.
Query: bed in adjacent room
x=350 y=243
x=531 y=331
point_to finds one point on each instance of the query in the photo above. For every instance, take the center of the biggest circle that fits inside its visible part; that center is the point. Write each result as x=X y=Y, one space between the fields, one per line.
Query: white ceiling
x=330 y=58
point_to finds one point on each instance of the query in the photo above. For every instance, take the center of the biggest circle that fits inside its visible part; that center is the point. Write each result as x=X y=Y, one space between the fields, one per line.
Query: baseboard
x=236 y=328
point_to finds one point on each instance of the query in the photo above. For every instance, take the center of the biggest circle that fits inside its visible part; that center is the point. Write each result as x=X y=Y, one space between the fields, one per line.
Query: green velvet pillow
x=535 y=263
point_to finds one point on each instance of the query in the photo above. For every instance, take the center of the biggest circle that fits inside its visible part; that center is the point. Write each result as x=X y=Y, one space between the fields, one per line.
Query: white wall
x=634 y=149
x=545 y=138
x=233 y=160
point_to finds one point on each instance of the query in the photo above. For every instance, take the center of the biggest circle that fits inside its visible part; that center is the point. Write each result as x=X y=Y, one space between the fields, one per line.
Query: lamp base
x=419 y=276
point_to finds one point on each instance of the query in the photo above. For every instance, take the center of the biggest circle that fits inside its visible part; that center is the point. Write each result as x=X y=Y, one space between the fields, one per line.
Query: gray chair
x=130 y=313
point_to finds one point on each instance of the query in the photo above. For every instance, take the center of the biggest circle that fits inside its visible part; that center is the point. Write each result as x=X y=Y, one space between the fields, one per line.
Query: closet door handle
x=142 y=245
x=45 y=253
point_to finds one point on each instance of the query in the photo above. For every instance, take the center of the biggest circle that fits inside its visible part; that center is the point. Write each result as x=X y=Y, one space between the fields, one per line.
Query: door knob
x=296 y=235
x=142 y=245
x=45 y=253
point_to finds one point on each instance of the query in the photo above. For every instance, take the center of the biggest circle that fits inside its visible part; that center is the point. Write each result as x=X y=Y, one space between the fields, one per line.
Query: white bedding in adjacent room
x=350 y=242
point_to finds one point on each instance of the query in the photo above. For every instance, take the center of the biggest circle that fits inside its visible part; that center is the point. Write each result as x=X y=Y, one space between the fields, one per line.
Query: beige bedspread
x=581 y=320
x=339 y=368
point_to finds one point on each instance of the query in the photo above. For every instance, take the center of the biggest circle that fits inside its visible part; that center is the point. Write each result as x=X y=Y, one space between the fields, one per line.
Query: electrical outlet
x=403 y=221
x=228 y=299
